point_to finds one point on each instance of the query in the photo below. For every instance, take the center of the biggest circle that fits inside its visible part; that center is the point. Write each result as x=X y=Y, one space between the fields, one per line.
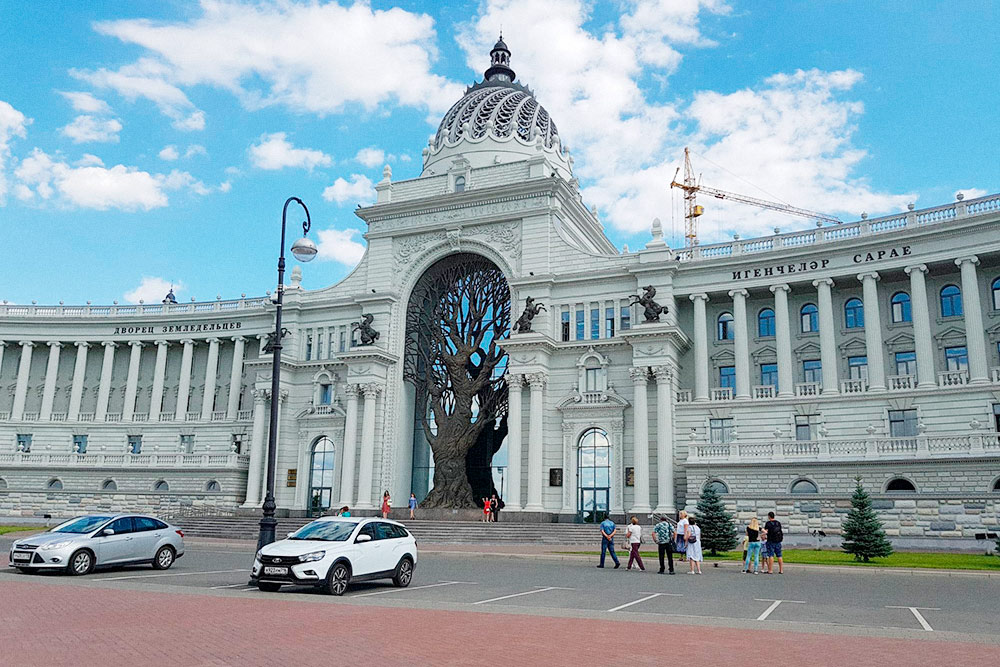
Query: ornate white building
x=785 y=367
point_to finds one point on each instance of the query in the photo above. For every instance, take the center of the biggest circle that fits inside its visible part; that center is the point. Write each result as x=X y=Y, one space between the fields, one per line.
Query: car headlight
x=257 y=556
x=308 y=558
x=56 y=545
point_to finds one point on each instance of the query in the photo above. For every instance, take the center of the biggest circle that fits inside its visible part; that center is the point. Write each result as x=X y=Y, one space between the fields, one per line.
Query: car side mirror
x=363 y=538
x=107 y=532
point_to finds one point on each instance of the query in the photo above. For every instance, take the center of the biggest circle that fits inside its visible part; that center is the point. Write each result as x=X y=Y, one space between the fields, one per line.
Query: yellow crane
x=692 y=210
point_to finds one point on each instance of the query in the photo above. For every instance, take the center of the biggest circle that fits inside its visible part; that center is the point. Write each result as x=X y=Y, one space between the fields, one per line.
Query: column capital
x=823 y=281
x=352 y=390
x=696 y=297
x=738 y=292
x=109 y=343
x=783 y=287
x=537 y=380
x=919 y=268
x=82 y=344
x=663 y=374
x=260 y=395
x=212 y=340
x=972 y=259
x=136 y=343
x=238 y=339
x=639 y=375
x=869 y=275
x=26 y=343
x=164 y=343
x=514 y=381
x=187 y=341
x=54 y=343
x=372 y=389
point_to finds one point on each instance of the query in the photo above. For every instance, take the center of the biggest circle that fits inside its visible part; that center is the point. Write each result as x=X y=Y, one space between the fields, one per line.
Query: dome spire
x=500 y=63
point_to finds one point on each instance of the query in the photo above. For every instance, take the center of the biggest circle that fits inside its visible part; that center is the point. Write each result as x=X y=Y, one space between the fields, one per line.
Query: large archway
x=458 y=313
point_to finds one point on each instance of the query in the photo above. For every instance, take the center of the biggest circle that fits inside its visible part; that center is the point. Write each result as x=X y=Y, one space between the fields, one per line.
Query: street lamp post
x=304 y=250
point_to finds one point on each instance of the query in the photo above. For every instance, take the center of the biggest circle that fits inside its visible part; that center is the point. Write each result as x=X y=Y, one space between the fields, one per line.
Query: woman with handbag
x=681 y=535
x=634 y=536
x=694 y=546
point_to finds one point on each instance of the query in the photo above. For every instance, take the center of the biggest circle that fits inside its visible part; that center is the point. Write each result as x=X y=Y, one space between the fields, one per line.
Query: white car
x=332 y=552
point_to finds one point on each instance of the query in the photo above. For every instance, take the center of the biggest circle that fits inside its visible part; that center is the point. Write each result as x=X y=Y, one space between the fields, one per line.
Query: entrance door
x=594 y=475
x=321 y=475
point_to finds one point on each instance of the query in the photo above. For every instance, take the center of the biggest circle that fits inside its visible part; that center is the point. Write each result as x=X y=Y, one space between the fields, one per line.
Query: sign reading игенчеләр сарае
x=818 y=264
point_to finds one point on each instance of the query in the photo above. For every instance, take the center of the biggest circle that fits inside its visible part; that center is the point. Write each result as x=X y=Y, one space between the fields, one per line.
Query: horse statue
x=651 y=309
x=364 y=327
x=523 y=324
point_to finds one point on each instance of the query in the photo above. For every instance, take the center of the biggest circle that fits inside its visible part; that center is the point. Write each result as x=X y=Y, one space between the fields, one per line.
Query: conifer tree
x=718 y=531
x=862 y=530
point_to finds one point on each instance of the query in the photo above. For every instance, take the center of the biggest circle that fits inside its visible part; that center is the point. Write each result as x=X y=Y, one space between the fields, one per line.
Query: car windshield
x=80 y=525
x=327 y=531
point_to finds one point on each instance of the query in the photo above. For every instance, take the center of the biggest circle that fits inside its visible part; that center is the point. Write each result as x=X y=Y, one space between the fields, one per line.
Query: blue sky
x=149 y=143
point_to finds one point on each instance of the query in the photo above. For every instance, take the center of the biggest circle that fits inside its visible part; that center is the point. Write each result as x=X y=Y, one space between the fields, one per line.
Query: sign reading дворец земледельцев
x=176 y=328
x=818 y=264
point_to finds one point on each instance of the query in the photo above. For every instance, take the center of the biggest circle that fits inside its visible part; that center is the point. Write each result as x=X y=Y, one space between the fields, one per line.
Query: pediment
x=593 y=400
x=853 y=345
x=767 y=353
x=724 y=357
x=950 y=336
x=808 y=349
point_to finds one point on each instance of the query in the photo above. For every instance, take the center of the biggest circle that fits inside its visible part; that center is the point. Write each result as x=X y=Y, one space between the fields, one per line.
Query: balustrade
x=900 y=382
x=721 y=394
x=953 y=378
x=763 y=391
x=853 y=386
x=807 y=388
x=230 y=460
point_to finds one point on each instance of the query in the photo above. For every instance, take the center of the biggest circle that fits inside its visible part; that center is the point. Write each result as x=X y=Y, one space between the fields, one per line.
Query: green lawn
x=14 y=529
x=915 y=559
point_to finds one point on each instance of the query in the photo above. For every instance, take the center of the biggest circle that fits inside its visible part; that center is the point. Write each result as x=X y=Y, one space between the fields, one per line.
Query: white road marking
x=774 y=605
x=920 y=618
x=411 y=588
x=170 y=574
x=531 y=592
x=214 y=588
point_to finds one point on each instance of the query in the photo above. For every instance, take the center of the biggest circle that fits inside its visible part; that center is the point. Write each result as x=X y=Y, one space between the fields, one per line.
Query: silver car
x=100 y=540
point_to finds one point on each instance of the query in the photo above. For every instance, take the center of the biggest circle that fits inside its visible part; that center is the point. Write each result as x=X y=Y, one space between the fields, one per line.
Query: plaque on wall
x=555 y=476
x=629 y=476
x=293 y=474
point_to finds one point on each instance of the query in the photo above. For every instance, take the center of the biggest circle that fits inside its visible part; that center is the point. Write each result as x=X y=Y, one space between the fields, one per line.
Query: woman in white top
x=694 y=546
x=681 y=535
x=633 y=533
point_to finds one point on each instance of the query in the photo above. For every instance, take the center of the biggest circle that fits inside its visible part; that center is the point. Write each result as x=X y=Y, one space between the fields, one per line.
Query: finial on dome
x=500 y=63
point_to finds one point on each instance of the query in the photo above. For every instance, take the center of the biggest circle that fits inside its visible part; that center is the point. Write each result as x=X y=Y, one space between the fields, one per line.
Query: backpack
x=774 y=534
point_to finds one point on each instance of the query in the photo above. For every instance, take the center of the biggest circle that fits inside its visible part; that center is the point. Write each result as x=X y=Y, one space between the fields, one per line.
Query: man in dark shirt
x=773 y=545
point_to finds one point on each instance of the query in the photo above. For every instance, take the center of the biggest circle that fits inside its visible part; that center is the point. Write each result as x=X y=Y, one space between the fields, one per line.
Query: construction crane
x=692 y=210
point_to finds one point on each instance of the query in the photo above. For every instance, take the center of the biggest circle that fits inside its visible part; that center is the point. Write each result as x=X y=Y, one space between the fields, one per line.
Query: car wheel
x=404 y=573
x=81 y=563
x=163 y=559
x=268 y=587
x=338 y=578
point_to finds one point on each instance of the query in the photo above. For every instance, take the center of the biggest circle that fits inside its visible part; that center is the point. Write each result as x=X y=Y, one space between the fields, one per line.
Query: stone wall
x=70 y=503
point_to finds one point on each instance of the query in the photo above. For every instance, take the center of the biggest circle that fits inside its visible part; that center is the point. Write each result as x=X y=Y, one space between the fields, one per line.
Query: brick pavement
x=76 y=625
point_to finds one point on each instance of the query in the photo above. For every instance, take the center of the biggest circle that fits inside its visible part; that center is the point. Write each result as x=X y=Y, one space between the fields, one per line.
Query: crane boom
x=692 y=210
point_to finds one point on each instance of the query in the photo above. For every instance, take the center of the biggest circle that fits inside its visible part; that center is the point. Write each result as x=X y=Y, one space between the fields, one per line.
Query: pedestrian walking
x=634 y=535
x=663 y=535
x=680 y=544
x=413 y=505
x=608 y=530
x=775 y=536
x=486 y=510
x=345 y=511
x=694 y=546
x=495 y=508
x=385 y=504
x=753 y=547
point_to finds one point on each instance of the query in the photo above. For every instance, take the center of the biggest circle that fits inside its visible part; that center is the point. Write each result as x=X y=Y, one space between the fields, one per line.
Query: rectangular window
x=24 y=442
x=609 y=322
x=592 y=378
x=237 y=443
x=769 y=375
x=720 y=430
x=309 y=347
x=565 y=323
x=727 y=376
x=595 y=321
x=325 y=394
x=343 y=340
x=135 y=444
x=580 y=325
x=996 y=417
x=626 y=316
x=906 y=363
x=319 y=346
x=805 y=427
x=812 y=370
x=80 y=444
x=956 y=358
x=187 y=444
x=903 y=423
x=857 y=368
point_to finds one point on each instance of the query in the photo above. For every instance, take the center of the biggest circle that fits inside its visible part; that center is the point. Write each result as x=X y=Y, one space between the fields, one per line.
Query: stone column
x=132 y=380
x=104 y=388
x=700 y=347
x=873 y=331
x=21 y=389
x=159 y=376
x=741 y=343
x=76 y=391
x=972 y=307
x=350 y=446
x=366 y=463
x=49 y=389
x=514 y=422
x=235 y=379
x=664 y=439
x=827 y=336
x=783 y=340
x=536 y=382
x=258 y=448
x=184 y=387
x=923 y=342
x=640 y=440
x=211 y=371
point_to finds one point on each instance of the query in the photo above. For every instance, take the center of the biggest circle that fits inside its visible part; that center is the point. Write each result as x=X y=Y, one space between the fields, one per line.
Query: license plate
x=275 y=571
x=21 y=556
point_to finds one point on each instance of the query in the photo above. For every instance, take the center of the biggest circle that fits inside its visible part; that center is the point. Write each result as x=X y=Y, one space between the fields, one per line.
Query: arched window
x=109 y=485
x=460 y=184
x=726 y=330
x=854 y=314
x=321 y=474
x=55 y=484
x=900 y=485
x=996 y=485
x=804 y=486
x=213 y=486
x=718 y=486
x=765 y=323
x=594 y=475
x=901 y=307
x=995 y=288
x=951 y=301
x=161 y=487
x=809 y=317
x=3 y=483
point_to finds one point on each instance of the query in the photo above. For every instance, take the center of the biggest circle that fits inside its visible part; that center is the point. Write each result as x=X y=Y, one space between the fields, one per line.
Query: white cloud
x=275 y=152
x=371 y=156
x=86 y=103
x=169 y=153
x=339 y=245
x=13 y=123
x=85 y=129
x=358 y=189
x=971 y=193
x=194 y=149
x=152 y=290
